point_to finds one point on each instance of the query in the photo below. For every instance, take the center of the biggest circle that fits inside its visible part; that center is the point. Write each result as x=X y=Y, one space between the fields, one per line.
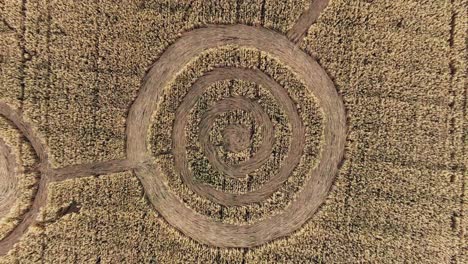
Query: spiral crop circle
x=307 y=200
x=240 y=170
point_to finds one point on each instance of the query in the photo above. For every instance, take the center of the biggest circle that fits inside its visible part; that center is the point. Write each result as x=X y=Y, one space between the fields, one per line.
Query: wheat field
x=233 y=131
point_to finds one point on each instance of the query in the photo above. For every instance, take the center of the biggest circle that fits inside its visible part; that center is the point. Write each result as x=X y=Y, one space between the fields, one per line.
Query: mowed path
x=139 y=118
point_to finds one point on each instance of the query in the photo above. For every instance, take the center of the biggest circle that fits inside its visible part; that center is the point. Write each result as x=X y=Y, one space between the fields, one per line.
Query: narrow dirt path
x=299 y=30
x=47 y=175
x=92 y=169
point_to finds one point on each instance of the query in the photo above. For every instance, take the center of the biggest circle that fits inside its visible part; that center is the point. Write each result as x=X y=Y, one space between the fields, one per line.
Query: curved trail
x=302 y=25
x=17 y=118
x=47 y=175
x=41 y=194
x=217 y=234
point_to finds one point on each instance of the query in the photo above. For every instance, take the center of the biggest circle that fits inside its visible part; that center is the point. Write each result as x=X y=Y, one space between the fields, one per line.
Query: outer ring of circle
x=28 y=216
x=315 y=189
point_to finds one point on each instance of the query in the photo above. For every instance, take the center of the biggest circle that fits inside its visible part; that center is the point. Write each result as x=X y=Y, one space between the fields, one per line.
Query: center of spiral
x=236 y=138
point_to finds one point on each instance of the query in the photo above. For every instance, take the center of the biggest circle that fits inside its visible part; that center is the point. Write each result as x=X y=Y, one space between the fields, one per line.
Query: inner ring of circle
x=239 y=170
x=202 y=228
x=179 y=139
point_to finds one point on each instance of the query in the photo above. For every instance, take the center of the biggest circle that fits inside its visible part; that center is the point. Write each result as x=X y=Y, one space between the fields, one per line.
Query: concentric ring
x=315 y=189
x=298 y=139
